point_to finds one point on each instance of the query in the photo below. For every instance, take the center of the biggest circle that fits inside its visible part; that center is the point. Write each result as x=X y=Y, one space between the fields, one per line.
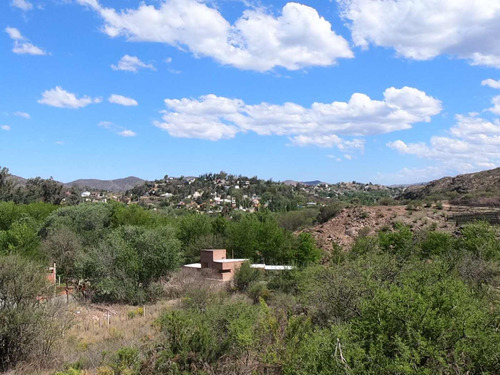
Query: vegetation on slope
x=473 y=189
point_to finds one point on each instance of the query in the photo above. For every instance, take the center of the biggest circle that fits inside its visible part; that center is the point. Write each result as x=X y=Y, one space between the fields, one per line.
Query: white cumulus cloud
x=5 y=127
x=491 y=83
x=424 y=29
x=473 y=143
x=22 y=4
x=296 y=38
x=122 y=100
x=131 y=64
x=58 y=97
x=496 y=105
x=323 y=124
x=23 y=46
x=14 y=33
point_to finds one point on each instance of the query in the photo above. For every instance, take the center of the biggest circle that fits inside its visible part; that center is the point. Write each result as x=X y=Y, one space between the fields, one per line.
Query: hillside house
x=224 y=269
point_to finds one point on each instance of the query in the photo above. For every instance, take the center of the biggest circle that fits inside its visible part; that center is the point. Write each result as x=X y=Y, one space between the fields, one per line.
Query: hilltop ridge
x=476 y=189
x=117 y=185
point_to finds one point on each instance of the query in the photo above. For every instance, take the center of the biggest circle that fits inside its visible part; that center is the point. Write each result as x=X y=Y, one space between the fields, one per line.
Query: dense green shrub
x=480 y=238
x=429 y=322
x=246 y=275
x=329 y=211
x=123 y=265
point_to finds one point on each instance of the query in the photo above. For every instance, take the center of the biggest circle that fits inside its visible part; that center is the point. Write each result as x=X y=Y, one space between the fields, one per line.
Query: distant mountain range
x=307 y=183
x=118 y=185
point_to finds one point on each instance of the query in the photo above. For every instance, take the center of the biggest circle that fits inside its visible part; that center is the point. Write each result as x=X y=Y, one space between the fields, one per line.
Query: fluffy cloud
x=299 y=37
x=491 y=83
x=212 y=117
x=474 y=143
x=14 y=33
x=60 y=98
x=23 y=115
x=424 y=29
x=122 y=100
x=5 y=127
x=131 y=64
x=127 y=133
x=496 y=105
x=22 y=4
x=22 y=46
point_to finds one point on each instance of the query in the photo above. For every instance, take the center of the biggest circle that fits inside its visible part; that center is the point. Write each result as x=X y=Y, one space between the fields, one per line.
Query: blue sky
x=365 y=90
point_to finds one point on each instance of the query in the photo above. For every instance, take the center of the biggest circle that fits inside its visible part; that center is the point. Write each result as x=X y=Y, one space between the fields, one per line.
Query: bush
x=399 y=242
x=258 y=290
x=387 y=201
x=295 y=220
x=124 y=266
x=204 y=340
x=436 y=243
x=480 y=239
x=246 y=275
x=28 y=327
x=329 y=212
x=427 y=323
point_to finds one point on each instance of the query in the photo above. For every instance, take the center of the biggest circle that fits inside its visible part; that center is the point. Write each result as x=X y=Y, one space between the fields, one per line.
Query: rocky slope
x=476 y=189
x=351 y=222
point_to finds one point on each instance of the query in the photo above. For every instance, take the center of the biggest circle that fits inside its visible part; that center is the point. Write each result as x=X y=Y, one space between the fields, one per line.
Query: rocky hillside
x=118 y=185
x=475 y=189
x=368 y=220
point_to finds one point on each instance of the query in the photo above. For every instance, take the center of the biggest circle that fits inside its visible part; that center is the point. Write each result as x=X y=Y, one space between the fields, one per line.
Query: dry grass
x=97 y=332
x=90 y=340
x=185 y=281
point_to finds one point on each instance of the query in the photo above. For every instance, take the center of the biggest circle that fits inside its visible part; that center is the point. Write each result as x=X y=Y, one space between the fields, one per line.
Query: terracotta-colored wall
x=207 y=257
x=51 y=277
x=231 y=266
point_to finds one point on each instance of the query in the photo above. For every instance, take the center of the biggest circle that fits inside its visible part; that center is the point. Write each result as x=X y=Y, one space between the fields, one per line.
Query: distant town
x=220 y=192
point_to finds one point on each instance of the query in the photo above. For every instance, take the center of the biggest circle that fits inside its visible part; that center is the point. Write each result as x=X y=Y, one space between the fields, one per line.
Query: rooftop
x=193 y=265
x=229 y=260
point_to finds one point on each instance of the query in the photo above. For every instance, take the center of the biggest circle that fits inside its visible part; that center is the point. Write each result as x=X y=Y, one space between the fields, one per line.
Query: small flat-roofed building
x=224 y=269
x=215 y=260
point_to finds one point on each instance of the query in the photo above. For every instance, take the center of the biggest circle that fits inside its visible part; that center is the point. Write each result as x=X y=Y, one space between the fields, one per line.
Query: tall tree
x=6 y=184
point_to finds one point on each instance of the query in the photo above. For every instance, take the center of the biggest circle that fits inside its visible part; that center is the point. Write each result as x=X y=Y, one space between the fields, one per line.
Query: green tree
x=122 y=267
x=305 y=250
x=62 y=246
x=43 y=190
x=6 y=184
x=21 y=238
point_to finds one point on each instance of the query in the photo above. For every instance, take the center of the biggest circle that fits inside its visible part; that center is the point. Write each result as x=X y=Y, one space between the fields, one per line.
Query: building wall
x=207 y=257
x=227 y=270
x=219 y=270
